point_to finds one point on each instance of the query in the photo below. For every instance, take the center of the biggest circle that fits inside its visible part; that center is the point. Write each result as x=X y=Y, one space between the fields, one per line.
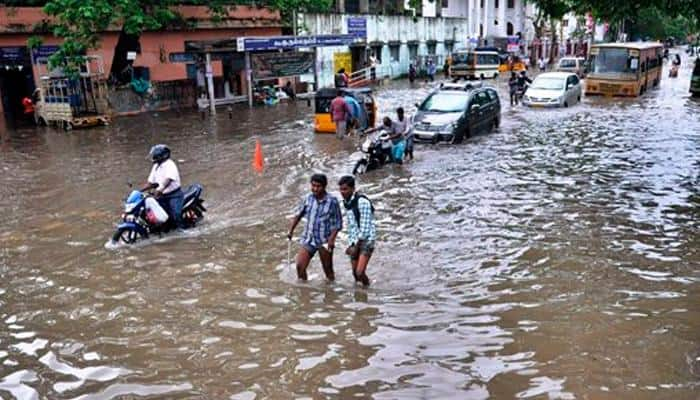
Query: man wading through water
x=323 y=222
x=362 y=232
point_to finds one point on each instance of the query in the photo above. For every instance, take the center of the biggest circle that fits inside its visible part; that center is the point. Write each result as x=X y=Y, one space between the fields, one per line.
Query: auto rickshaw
x=516 y=66
x=367 y=112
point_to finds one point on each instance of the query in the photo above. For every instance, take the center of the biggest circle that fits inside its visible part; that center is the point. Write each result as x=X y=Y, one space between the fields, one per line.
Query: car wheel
x=566 y=104
x=457 y=138
x=578 y=98
x=434 y=140
x=497 y=122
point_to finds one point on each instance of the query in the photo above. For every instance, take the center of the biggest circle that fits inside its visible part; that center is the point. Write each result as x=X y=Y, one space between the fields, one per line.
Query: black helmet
x=159 y=153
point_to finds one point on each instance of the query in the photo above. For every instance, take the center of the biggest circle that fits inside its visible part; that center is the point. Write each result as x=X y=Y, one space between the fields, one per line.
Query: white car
x=553 y=89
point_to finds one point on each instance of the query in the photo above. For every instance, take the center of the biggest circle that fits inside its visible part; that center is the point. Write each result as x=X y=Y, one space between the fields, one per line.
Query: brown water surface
x=556 y=258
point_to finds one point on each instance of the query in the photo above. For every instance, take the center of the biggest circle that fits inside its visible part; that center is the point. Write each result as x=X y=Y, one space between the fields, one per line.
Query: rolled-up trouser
x=172 y=203
x=397 y=150
x=340 y=128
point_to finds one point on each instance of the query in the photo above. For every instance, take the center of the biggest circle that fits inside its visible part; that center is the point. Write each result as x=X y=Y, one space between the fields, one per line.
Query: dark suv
x=456 y=111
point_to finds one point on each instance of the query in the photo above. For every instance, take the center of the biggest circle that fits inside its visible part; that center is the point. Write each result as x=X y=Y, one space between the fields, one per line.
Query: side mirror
x=417 y=105
x=475 y=108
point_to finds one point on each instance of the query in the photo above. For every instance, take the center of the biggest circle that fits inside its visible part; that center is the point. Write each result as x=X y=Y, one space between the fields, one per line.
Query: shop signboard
x=277 y=65
x=12 y=54
x=42 y=53
x=291 y=42
x=513 y=45
x=342 y=60
x=357 y=27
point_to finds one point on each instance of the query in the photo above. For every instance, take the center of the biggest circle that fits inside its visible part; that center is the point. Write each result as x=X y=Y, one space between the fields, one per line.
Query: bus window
x=487 y=59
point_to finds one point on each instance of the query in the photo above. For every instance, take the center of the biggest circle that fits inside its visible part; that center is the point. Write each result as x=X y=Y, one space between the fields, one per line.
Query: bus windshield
x=464 y=58
x=614 y=61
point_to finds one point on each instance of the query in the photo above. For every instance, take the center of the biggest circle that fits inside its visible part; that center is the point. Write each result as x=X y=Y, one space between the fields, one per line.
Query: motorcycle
x=138 y=220
x=377 y=152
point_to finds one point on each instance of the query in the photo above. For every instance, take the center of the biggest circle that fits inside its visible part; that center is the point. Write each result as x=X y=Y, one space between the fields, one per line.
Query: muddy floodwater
x=556 y=258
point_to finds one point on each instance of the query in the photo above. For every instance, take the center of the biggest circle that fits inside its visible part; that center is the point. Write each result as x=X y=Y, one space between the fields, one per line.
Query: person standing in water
x=362 y=232
x=323 y=222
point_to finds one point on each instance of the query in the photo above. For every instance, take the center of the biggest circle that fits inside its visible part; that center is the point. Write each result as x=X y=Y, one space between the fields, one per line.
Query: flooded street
x=557 y=258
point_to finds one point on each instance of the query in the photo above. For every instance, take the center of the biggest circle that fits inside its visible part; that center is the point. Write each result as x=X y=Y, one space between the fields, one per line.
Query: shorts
x=312 y=248
x=363 y=247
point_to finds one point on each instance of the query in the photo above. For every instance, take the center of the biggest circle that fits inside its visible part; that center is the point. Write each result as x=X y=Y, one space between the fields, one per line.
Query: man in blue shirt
x=362 y=232
x=323 y=222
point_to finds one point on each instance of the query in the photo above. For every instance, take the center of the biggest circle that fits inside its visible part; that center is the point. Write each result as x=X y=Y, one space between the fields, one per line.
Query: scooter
x=376 y=152
x=139 y=222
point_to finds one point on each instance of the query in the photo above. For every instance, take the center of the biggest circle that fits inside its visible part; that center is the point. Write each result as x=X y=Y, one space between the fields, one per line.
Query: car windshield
x=548 y=83
x=567 y=63
x=445 y=102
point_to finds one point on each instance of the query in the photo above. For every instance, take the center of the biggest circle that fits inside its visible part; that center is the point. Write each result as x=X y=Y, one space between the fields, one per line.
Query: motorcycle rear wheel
x=360 y=167
x=128 y=236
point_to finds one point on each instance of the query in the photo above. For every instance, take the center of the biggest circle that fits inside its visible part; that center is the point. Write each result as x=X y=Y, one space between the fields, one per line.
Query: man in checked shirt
x=323 y=222
x=362 y=232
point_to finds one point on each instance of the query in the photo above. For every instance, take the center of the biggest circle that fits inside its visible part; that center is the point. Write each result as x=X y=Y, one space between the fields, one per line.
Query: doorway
x=16 y=83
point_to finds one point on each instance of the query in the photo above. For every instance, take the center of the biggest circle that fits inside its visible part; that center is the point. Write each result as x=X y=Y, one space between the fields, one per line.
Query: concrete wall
x=387 y=29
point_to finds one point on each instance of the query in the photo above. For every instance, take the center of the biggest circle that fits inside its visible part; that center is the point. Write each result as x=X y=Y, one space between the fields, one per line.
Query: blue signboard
x=357 y=27
x=42 y=53
x=12 y=54
x=292 y=42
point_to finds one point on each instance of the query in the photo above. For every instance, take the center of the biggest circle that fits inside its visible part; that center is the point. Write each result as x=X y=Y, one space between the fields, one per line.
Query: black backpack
x=356 y=208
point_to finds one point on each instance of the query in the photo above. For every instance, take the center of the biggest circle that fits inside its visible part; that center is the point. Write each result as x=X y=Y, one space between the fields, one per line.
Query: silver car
x=553 y=89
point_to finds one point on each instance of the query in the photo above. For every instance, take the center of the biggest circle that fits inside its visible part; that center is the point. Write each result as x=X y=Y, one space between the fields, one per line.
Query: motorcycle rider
x=165 y=179
x=396 y=137
x=523 y=81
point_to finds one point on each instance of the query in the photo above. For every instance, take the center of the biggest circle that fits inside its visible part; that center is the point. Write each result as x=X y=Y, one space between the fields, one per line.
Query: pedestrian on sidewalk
x=362 y=232
x=340 y=112
x=542 y=64
x=323 y=222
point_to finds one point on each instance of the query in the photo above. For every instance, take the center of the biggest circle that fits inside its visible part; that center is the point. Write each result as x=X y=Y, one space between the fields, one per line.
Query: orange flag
x=258 y=157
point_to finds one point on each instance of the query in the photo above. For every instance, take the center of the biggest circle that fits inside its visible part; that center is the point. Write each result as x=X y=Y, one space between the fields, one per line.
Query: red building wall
x=17 y=25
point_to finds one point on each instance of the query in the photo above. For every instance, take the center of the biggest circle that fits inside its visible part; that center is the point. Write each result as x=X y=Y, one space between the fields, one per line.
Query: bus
x=477 y=64
x=624 y=69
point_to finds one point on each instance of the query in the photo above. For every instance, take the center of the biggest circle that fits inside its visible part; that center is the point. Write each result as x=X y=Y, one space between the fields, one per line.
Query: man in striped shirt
x=362 y=232
x=323 y=222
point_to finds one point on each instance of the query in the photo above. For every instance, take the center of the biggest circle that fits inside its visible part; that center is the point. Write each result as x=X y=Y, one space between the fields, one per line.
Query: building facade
x=168 y=58
x=434 y=32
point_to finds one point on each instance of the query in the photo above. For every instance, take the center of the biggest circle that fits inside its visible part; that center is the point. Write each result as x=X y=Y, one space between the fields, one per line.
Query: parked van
x=476 y=64
x=575 y=65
